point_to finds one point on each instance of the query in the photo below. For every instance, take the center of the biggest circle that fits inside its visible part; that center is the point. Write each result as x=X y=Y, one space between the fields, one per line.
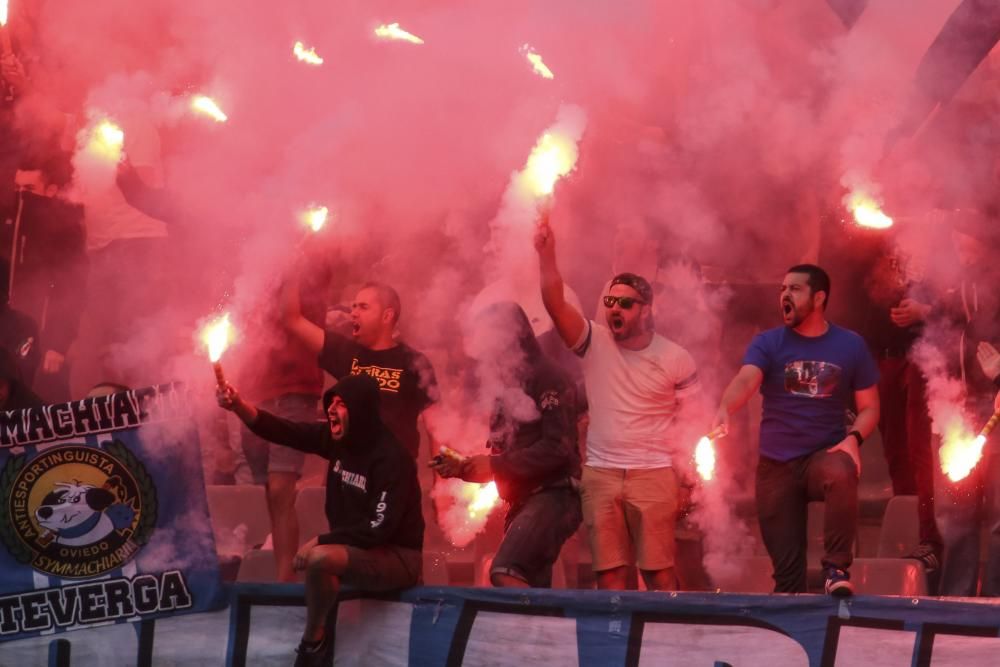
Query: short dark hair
x=818 y=280
x=388 y=296
x=636 y=282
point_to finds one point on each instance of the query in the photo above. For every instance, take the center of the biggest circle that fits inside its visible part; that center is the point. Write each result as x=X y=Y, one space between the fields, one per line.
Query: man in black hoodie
x=534 y=458
x=372 y=501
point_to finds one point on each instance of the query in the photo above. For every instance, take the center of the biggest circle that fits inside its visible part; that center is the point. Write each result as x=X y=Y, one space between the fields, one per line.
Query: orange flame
x=207 y=106
x=306 y=55
x=867 y=212
x=316 y=217
x=553 y=157
x=704 y=452
x=216 y=336
x=537 y=64
x=704 y=458
x=960 y=454
x=484 y=499
x=394 y=32
x=106 y=141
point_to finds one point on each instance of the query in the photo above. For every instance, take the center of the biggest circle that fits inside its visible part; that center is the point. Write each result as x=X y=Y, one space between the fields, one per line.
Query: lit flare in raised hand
x=553 y=157
x=306 y=55
x=537 y=64
x=106 y=141
x=867 y=212
x=392 y=31
x=316 y=217
x=217 y=335
x=207 y=107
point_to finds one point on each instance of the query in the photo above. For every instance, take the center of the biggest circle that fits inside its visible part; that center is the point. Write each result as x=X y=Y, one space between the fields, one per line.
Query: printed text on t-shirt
x=388 y=378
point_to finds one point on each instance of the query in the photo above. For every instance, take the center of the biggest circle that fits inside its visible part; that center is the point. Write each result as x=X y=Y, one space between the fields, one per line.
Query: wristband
x=857 y=436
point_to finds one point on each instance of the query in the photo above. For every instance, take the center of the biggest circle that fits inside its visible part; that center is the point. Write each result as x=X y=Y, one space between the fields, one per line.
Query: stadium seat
x=233 y=506
x=258 y=567
x=900 y=530
x=888 y=576
x=755 y=576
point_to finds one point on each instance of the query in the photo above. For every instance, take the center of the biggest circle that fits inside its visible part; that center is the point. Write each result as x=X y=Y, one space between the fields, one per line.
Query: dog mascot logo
x=77 y=511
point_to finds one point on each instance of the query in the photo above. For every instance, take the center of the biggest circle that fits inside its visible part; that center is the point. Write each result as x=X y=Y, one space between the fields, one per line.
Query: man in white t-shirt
x=636 y=382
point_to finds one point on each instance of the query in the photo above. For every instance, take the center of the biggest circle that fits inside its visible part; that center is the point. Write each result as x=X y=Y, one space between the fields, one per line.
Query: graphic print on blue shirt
x=808 y=385
x=815 y=379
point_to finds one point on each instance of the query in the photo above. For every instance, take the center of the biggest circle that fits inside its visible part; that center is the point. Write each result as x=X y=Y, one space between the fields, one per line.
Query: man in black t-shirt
x=405 y=376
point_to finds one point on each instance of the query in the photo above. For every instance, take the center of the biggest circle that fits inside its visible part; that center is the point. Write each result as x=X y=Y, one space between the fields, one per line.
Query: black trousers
x=784 y=489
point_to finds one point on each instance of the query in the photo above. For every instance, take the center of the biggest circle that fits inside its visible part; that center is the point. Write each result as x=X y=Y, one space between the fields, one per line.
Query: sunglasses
x=626 y=302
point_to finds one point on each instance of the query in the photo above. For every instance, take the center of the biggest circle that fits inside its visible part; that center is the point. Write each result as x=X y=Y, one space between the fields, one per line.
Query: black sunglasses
x=626 y=302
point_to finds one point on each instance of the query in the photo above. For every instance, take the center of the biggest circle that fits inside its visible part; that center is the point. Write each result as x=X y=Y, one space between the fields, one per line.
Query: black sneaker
x=926 y=553
x=313 y=655
x=838 y=583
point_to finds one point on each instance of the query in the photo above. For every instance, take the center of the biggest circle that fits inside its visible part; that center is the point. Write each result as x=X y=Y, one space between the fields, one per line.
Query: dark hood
x=360 y=394
x=507 y=315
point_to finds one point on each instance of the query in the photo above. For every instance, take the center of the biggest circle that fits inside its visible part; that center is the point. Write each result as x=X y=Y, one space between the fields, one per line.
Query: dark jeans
x=784 y=490
x=905 y=426
x=963 y=509
x=534 y=534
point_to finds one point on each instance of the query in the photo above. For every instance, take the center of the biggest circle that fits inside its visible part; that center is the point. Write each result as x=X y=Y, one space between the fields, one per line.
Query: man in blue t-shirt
x=808 y=371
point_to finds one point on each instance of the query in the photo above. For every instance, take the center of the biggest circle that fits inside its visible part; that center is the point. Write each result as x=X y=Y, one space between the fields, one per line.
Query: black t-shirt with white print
x=405 y=378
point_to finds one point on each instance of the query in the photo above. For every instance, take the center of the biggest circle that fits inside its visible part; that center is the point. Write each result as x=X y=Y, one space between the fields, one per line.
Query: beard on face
x=621 y=328
x=793 y=316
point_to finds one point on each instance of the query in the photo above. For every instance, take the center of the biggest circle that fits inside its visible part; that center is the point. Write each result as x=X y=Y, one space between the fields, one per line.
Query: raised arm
x=310 y=334
x=736 y=395
x=569 y=322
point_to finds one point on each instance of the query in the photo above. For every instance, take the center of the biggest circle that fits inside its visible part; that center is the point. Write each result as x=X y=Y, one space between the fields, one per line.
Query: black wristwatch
x=857 y=436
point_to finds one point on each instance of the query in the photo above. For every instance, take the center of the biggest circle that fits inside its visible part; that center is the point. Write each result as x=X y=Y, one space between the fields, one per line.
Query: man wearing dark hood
x=534 y=458
x=372 y=501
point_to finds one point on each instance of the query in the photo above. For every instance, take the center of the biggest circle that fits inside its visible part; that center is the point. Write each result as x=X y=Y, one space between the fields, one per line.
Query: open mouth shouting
x=336 y=426
x=787 y=310
x=617 y=322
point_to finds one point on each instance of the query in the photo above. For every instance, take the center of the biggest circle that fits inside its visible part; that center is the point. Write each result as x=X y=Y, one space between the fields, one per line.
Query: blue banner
x=103 y=517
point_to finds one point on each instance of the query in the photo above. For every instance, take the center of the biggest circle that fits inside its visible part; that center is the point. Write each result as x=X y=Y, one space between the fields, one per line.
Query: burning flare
x=106 y=141
x=3 y=13
x=867 y=212
x=960 y=453
x=484 y=499
x=316 y=217
x=704 y=453
x=308 y=56
x=537 y=64
x=207 y=106
x=704 y=458
x=216 y=336
x=553 y=157
x=394 y=32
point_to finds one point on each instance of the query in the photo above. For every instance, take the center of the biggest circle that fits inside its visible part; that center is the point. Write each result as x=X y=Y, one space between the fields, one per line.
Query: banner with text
x=103 y=516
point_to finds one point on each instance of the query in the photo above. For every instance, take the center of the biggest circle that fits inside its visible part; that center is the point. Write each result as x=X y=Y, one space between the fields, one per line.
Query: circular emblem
x=76 y=511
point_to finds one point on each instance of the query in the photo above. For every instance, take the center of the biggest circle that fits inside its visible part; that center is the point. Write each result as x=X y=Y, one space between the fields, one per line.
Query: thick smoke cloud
x=726 y=131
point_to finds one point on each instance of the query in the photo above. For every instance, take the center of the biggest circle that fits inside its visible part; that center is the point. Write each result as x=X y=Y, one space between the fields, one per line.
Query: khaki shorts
x=630 y=516
x=382 y=568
